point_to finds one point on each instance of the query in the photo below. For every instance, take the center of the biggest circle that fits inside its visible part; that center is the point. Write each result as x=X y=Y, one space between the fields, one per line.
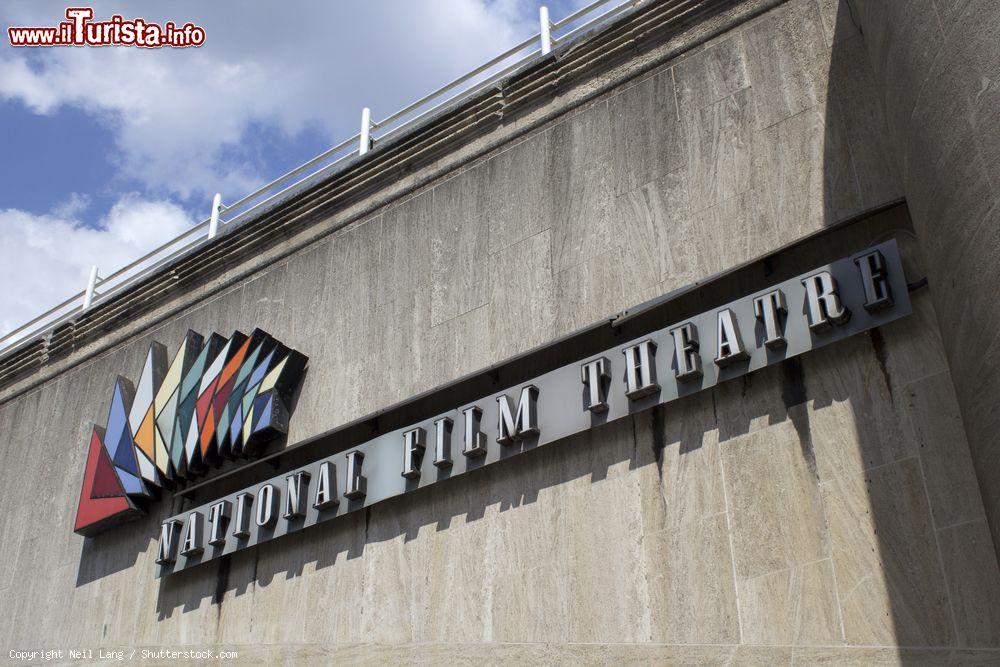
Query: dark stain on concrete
x=222 y=580
x=794 y=394
x=659 y=438
x=878 y=345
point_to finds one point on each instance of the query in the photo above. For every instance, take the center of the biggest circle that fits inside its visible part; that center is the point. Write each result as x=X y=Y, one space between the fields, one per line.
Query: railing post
x=213 y=222
x=366 y=126
x=88 y=296
x=543 y=19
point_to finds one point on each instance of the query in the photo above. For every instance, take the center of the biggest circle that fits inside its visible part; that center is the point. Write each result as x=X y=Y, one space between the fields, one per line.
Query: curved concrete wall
x=937 y=65
x=820 y=510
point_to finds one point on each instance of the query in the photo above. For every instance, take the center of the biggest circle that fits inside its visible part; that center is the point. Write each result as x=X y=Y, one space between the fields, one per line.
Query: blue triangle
x=132 y=484
x=265 y=418
x=117 y=420
x=125 y=454
x=261 y=370
x=262 y=412
x=235 y=427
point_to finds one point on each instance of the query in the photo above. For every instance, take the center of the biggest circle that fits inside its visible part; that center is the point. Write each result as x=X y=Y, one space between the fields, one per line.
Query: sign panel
x=826 y=305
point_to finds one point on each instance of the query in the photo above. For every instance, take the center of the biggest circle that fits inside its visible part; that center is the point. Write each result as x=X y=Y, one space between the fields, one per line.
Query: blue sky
x=108 y=152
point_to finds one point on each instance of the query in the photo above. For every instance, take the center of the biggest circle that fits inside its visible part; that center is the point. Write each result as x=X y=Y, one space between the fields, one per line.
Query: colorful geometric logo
x=217 y=400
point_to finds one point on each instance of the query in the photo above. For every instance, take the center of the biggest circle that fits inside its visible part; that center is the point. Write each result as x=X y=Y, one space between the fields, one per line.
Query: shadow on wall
x=637 y=441
x=908 y=569
x=116 y=550
x=767 y=398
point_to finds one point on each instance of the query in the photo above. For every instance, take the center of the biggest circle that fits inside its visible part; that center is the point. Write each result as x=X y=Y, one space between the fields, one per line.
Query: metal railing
x=102 y=288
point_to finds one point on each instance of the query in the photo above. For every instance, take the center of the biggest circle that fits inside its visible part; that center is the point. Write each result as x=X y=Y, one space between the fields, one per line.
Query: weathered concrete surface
x=802 y=514
x=816 y=511
x=937 y=67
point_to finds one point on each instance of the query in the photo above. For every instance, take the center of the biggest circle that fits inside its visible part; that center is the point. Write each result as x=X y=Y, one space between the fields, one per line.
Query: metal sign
x=218 y=399
x=826 y=305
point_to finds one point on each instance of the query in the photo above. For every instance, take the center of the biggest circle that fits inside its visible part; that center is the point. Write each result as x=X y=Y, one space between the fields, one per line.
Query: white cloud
x=180 y=116
x=72 y=206
x=44 y=259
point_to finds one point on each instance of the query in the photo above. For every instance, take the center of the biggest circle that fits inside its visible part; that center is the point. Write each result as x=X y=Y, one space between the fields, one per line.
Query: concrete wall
x=821 y=509
x=937 y=64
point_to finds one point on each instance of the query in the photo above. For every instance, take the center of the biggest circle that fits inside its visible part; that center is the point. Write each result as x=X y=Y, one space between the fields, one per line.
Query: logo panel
x=217 y=399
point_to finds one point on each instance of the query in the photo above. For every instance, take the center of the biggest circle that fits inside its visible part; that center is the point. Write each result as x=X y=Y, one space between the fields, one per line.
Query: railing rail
x=103 y=288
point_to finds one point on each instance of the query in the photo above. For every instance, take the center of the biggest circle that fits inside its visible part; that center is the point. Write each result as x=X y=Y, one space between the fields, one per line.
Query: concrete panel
x=456 y=346
x=719 y=149
x=777 y=513
x=888 y=572
x=790 y=166
x=937 y=431
x=727 y=234
x=838 y=24
x=655 y=230
x=593 y=290
x=967 y=553
x=796 y=606
x=920 y=341
x=405 y=259
x=517 y=191
x=646 y=137
x=689 y=485
x=851 y=401
x=788 y=60
x=522 y=299
x=459 y=276
x=692 y=596
x=711 y=74
x=403 y=365
x=854 y=97
x=580 y=187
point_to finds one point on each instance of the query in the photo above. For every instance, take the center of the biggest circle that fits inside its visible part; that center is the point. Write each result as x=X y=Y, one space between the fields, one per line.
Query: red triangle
x=93 y=511
x=222 y=395
x=205 y=401
x=106 y=483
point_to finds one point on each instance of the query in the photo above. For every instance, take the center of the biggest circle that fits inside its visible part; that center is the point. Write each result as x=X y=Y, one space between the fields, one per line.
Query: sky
x=106 y=153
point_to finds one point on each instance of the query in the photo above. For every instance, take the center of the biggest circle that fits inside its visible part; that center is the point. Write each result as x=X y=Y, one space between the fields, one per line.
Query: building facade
x=839 y=504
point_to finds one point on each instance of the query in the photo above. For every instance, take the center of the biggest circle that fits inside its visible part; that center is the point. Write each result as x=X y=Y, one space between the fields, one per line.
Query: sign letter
x=770 y=309
x=326 y=486
x=218 y=517
x=168 y=544
x=686 y=352
x=595 y=377
x=414 y=444
x=357 y=484
x=241 y=527
x=442 y=442
x=640 y=369
x=824 y=305
x=475 y=439
x=525 y=423
x=295 y=494
x=730 y=348
x=878 y=294
x=267 y=502
x=193 y=535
